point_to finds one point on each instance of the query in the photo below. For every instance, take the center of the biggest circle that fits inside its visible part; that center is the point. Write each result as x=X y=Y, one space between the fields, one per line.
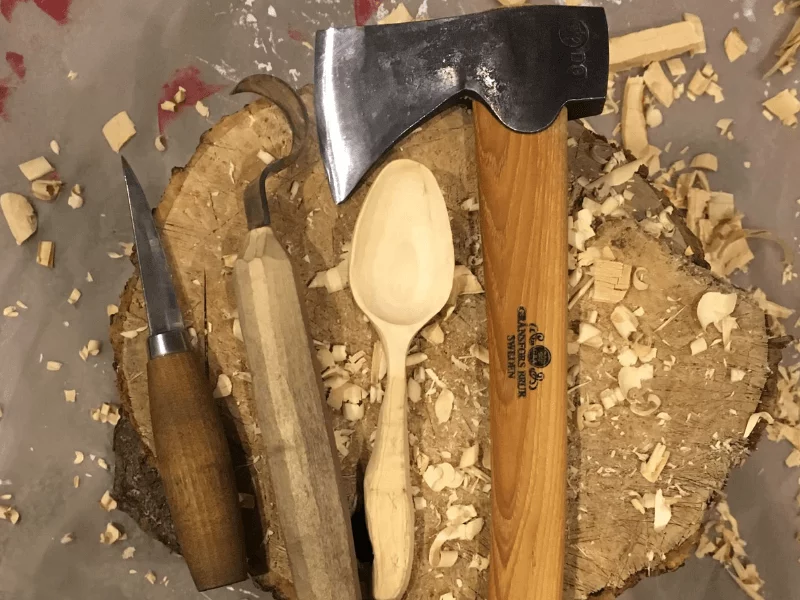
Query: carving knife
x=193 y=456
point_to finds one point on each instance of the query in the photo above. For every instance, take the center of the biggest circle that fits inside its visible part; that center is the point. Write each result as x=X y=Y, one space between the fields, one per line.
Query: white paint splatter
x=248 y=2
x=295 y=74
x=755 y=45
x=271 y=11
x=263 y=66
x=422 y=12
x=251 y=18
x=747 y=10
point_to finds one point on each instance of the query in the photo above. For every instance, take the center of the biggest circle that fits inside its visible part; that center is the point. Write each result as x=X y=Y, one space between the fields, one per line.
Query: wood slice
x=609 y=541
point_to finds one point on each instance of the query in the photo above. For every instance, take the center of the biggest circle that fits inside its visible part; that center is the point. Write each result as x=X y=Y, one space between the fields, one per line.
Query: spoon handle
x=387 y=485
x=523 y=183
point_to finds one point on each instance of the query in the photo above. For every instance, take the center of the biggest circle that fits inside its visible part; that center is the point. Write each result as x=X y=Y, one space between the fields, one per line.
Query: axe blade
x=374 y=84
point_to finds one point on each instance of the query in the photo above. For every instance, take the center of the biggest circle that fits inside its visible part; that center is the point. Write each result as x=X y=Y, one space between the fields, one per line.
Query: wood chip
x=634 y=126
x=735 y=46
x=416 y=358
x=612 y=280
x=659 y=85
x=56 y=149
x=723 y=125
x=464 y=283
x=663 y=512
x=46 y=189
x=676 y=67
x=74 y=296
x=180 y=95
x=265 y=157
x=443 y=406
x=151 y=577
x=785 y=106
x=698 y=346
x=76 y=481
x=224 y=386
x=53 y=365
x=433 y=333
x=158 y=142
x=67 y=538
x=19 y=215
x=128 y=553
x=640 y=48
x=706 y=161
x=201 y=108
x=78 y=457
x=698 y=84
x=651 y=470
x=753 y=421
x=118 y=130
x=624 y=321
x=632 y=377
x=400 y=14
x=111 y=535
x=107 y=502
x=715 y=306
x=167 y=105
x=479 y=352
x=36 y=168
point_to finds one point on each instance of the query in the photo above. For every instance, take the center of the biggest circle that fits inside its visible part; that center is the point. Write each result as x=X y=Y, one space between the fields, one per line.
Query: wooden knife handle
x=195 y=465
x=298 y=440
x=523 y=205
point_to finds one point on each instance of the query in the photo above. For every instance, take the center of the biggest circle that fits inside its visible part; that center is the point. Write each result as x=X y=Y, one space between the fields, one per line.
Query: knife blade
x=193 y=457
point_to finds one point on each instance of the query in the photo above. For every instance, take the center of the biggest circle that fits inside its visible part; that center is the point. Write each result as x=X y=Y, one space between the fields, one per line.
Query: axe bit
x=527 y=70
x=298 y=439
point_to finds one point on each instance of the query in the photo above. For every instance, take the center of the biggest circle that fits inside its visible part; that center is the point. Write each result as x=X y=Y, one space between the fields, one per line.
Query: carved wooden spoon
x=401 y=273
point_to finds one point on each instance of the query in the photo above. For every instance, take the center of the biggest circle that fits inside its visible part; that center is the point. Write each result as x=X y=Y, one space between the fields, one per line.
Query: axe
x=527 y=70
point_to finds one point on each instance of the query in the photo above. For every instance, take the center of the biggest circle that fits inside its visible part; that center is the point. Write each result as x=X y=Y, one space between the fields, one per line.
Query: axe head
x=374 y=84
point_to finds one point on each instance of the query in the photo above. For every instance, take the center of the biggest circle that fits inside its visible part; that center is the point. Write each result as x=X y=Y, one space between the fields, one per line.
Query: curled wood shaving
x=651 y=405
x=706 y=161
x=753 y=421
x=652 y=468
x=632 y=377
x=9 y=513
x=715 y=306
x=78 y=457
x=624 y=321
x=663 y=513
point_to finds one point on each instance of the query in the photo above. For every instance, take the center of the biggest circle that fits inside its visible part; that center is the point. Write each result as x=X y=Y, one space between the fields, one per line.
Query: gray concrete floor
x=123 y=52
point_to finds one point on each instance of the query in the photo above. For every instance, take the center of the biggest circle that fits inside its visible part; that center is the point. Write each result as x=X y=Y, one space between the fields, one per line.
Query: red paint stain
x=17 y=64
x=295 y=35
x=364 y=9
x=196 y=89
x=58 y=10
x=5 y=93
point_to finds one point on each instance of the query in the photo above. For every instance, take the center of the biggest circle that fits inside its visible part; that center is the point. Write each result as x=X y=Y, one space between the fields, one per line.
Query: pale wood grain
x=195 y=465
x=401 y=272
x=297 y=438
x=522 y=182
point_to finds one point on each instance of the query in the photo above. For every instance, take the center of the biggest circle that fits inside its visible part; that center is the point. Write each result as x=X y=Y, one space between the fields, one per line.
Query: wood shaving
x=624 y=321
x=67 y=538
x=333 y=279
x=649 y=407
x=101 y=462
x=663 y=513
x=713 y=307
x=753 y=421
x=19 y=215
x=652 y=468
x=479 y=352
x=46 y=189
x=639 y=276
x=78 y=457
x=659 y=85
x=36 y=168
x=158 y=142
x=150 y=577
x=464 y=283
x=128 y=553
x=201 y=109
x=785 y=106
x=9 y=513
x=632 y=377
x=469 y=457
x=400 y=14
x=433 y=333
x=413 y=390
x=634 y=125
x=787 y=52
x=107 y=502
x=443 y=406
x=706 y=161
x=118 y=130
x=76 y=481
x=698 y=346
x=735 y=46
x=416 y=358
x=224 y=386
x=612 y=280
x=10 y=311
x=640 y=48
x=111 y=535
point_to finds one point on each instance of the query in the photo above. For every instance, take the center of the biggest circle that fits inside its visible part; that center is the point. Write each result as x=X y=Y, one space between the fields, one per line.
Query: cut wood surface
x=608 y=540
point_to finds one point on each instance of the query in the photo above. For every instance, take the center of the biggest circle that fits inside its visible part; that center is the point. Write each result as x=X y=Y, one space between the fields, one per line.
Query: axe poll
x=527 y=70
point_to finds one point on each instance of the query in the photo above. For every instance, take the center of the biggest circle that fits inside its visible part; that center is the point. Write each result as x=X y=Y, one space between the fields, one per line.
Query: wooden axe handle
x=298 y=440
x=523 y=187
